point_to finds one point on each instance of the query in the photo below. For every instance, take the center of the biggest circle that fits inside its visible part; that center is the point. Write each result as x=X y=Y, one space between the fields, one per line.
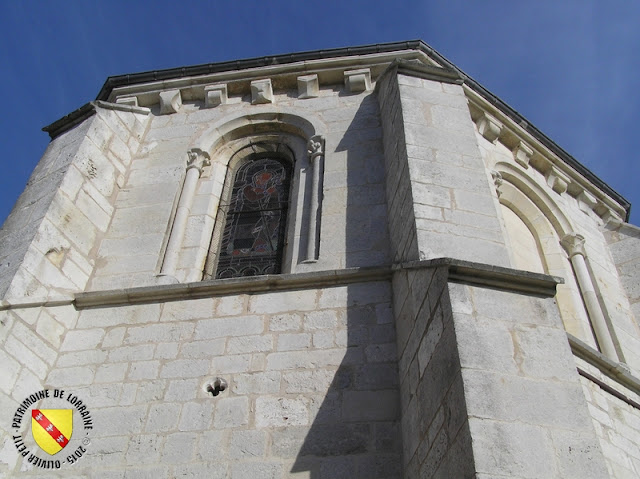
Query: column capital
x=315 y=147
x=198 y=159
x=573 y=243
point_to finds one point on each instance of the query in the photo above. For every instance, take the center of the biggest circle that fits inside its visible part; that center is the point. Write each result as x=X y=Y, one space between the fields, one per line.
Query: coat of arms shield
x=52 y=428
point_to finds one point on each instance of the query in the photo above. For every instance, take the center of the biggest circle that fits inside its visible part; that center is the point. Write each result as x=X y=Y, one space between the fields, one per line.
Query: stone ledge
x=36 y=302
x=121 y=107
x=606 y=366
x=486 y=275
x=459 y=271
x=420 y=70
x=219 y=287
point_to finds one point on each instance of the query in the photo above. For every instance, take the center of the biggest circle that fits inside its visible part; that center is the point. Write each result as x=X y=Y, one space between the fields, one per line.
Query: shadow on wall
x=356 y=430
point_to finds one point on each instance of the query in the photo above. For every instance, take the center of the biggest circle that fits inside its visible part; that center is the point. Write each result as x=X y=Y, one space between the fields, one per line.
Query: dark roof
x=208 y=68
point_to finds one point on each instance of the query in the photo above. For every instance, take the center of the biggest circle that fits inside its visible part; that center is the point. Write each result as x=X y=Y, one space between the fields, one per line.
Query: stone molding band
x=459 y=271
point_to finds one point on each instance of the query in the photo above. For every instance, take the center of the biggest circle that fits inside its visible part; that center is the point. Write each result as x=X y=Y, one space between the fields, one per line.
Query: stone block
x=215 y=95
x=78 y=376
x=203 y=349
x=231 y=412
x=119 y=421
x=247 y=444
x=231 y=305
x=109 y=373
x=166 y=351
x=32 y=341
x=249 y=344
x=240 y=363
x=141 y=352
x=357 y=81
x=185 y=368
x=285 y=322
x=170 y=101
x=308 y=381
x=163 y=417
x=256 y=383
x=383 y=405
x=293 y=342
x=25 y=356
x=512 y=449
x=89 y=356
x=196 y=416
x=301 y=300
x=281 y=412
x=224 y=327
x=144 y=370
x=113 y=337
x=9 y=371
x=143 y=449
x=179 y=448
x=76 y=340
x=261 y=91
x=308 y=86
x=198 y=309
x=263 y=470
x=320 y=320
x=154 y=333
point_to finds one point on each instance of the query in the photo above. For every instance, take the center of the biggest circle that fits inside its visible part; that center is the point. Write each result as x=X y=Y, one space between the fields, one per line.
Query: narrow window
x=253 y=238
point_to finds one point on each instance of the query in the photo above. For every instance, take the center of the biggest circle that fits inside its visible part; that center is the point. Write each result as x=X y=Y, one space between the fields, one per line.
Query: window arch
x=250 y=231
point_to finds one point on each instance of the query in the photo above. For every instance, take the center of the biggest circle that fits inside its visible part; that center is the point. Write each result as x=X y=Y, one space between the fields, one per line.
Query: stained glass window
x=254 y=231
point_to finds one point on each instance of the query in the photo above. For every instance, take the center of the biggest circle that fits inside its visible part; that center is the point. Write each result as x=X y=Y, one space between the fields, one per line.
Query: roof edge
x=112 y=82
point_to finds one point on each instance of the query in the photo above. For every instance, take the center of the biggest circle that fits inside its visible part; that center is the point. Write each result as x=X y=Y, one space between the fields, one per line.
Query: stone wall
x=76 y=183
x=435 y=430
x=312 y=386
x=624 y=242
x=353 y=226
x=615 y=410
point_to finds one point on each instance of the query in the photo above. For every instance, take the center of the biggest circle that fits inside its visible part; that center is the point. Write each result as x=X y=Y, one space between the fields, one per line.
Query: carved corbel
x=611 y=219
x=198 y=159
x=557 y=180
x=497 y=180
x=170 y=101
x=356 y=81
x=308 y=86
x=586 y=201
x=215 y=95
x=261 y=91
x=127 y=100
x=489 y=126
x=522 y=153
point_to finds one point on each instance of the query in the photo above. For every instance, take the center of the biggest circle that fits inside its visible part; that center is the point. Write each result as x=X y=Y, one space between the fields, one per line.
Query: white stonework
x=457 y=296
x=308 y=86
x=215 y=95
x=261 y=91
x=170 y=101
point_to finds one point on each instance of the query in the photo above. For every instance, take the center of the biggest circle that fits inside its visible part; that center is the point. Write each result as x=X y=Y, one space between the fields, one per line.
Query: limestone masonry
x=350 y=263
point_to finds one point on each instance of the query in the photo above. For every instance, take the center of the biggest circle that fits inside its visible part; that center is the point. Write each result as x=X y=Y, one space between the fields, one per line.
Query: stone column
x=315 y=148
x=573 y=243
x=198 y=159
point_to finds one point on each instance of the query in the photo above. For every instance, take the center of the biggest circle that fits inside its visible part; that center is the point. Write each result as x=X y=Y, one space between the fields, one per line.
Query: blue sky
x=571 y=67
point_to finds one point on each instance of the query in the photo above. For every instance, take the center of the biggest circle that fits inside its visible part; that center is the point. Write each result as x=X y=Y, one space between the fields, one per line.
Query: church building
x=347 y=263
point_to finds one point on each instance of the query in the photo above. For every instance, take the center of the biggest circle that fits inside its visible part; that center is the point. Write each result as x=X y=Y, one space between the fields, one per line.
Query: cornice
x=546 y=157
x=329 y=65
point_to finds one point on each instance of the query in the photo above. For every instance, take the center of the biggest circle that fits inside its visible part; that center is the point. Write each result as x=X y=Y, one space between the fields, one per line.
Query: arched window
x=251 y=223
